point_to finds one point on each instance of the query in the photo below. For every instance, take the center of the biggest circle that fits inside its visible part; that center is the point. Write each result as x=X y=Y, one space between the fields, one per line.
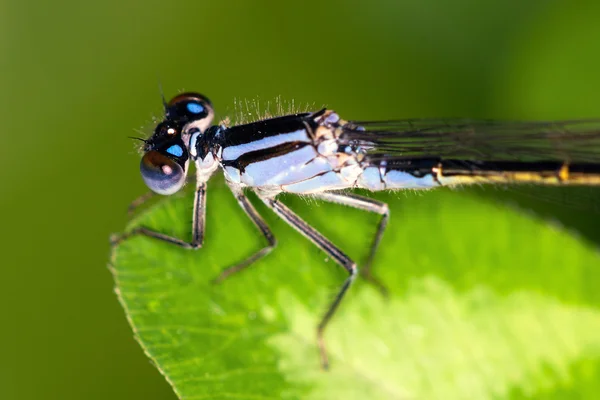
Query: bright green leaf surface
x=487 y=302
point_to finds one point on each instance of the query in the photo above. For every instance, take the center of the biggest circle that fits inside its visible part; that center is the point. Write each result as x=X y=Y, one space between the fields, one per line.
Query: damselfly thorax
x=322 y=155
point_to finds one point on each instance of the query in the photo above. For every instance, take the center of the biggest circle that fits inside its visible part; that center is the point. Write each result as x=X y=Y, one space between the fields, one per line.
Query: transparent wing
x=576 y=141
x=571 y=141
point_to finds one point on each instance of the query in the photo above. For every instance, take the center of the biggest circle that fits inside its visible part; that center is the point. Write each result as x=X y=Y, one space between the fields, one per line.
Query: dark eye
x=162 y=174
x=166 y=129
x=188 y=107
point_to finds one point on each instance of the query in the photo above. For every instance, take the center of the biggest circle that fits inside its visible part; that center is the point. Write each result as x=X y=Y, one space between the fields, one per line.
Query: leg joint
x=271 y=239
x=385 y=210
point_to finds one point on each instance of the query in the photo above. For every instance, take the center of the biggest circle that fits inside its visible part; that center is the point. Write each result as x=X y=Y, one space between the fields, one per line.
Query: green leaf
x=487 y=302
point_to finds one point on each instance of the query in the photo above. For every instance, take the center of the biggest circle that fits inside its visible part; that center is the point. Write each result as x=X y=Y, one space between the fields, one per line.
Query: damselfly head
x=190 y=110
x=166 y=154
x=164 y=165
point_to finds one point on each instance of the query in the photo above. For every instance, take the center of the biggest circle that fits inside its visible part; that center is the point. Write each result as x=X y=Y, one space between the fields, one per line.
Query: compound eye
x=188 y=107
x=165 y=129
x=161 y=174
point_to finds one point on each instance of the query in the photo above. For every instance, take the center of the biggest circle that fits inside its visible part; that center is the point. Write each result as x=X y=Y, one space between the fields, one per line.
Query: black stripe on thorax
x=264 y=154
x=243 y=134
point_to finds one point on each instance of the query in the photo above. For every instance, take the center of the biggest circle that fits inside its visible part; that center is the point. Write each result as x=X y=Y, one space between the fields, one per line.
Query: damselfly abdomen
x=321 y=155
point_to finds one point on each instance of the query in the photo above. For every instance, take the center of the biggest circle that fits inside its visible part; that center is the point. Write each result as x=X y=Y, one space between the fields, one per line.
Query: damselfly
x=321 y=155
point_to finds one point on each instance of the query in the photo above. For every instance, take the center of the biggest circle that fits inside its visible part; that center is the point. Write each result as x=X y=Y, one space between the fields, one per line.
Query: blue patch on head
x=195 y=108
x=175 y=150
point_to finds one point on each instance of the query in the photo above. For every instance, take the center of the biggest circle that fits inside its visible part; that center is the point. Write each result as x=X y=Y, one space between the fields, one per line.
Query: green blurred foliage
x=78 y=77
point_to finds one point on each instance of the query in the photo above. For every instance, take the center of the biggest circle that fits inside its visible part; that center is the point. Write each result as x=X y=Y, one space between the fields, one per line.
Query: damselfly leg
x=198 y=225
x=347 y=199
x=135 y=204
x=261 y=225
x=367 y=204
x=332 y=251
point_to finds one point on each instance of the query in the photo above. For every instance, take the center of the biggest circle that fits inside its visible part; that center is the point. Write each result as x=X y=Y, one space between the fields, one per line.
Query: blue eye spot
x=175 y=150
x=195 y=108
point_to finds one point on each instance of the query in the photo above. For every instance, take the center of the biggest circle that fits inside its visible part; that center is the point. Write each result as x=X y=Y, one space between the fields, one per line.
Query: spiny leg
x=324 y=244
x=367 y=204
x=261 y=225
x=198 y=224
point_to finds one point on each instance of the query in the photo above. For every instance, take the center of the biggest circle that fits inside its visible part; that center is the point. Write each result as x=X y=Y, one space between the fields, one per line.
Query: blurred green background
x=77 y=78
